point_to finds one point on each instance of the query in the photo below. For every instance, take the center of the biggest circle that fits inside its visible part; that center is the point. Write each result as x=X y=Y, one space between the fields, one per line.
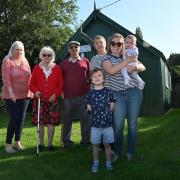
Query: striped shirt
x=117 y=81
x=17 y=77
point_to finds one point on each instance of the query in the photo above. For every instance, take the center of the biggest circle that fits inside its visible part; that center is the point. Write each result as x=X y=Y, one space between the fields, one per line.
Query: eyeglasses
x=72 y=47
x=119 y=44
x=46 y=55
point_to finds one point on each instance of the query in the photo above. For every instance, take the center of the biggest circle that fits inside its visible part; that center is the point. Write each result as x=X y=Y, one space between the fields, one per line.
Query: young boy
x=131 y=50
x=100 y=102
x=96 y=62
x=100 y=46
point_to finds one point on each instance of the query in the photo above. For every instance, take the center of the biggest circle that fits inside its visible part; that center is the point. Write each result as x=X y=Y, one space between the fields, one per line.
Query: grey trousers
x=71 y=105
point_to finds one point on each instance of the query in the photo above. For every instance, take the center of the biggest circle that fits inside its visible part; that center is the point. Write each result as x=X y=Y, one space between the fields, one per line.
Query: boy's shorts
x=99 y=135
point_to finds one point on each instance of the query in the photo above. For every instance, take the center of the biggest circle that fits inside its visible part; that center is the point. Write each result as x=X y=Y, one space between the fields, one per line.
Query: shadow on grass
x=157 y=157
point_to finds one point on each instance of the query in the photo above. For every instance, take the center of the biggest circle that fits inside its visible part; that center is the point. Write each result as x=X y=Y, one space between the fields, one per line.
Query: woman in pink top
x=16 y=76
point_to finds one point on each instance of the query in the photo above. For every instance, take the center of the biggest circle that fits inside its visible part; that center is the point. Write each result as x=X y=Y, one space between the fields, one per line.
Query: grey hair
x=47 y=49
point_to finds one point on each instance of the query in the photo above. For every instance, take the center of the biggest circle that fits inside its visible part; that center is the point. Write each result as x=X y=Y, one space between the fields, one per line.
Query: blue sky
x=159 y=20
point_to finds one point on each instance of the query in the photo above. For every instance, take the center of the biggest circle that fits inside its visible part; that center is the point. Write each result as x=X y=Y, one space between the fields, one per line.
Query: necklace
x=19 y=62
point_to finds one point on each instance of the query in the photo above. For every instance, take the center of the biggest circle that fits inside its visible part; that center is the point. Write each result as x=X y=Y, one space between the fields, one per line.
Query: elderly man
x=75 y=72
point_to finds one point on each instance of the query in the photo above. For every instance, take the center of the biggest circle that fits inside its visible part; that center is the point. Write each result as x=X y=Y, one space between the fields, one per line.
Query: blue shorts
x=99 y=135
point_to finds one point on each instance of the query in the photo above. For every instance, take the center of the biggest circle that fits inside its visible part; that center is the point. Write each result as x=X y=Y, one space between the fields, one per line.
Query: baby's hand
x=132 y=59
x=131 y=68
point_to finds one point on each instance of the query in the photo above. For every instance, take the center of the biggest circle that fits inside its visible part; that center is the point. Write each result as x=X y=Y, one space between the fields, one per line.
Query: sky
x=159 y=20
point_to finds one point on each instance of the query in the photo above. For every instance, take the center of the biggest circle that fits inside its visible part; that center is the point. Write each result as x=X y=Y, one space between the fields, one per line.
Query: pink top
x=17 y=77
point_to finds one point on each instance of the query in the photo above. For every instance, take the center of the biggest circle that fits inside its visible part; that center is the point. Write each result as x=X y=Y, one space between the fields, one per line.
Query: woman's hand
x=12 y=97
x=11 y=94
x=37 y=94
x=131 y=68
x=52 y=98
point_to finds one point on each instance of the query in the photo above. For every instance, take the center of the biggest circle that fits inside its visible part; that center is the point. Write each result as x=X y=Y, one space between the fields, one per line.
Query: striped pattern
x=117 y=80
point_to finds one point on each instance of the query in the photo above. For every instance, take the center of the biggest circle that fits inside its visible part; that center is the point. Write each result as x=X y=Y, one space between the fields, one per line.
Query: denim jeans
x=17 y=112
x=127 y=105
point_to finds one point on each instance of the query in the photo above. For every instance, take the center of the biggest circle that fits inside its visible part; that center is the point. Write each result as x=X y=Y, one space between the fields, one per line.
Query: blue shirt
x=101 y=114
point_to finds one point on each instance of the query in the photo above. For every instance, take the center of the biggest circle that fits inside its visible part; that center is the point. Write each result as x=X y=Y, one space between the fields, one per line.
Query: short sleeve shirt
x=101 y=114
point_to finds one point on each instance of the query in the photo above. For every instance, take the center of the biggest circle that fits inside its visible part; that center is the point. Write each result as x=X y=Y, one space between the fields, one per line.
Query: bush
x=2 y=104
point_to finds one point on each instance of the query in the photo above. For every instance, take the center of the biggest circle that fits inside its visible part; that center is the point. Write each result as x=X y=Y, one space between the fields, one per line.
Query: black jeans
x=17 y=112
x=71 y=105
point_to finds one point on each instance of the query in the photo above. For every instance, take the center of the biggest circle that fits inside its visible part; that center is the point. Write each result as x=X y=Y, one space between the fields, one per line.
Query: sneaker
x=95 y=168
x=8 y=149
x=114 y=156
x=109 y=167
x=18 y=147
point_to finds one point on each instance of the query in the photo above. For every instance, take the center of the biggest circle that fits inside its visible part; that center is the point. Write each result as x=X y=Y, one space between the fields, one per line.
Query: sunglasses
x=72 y=47
x=46 y=55
x=119 y=44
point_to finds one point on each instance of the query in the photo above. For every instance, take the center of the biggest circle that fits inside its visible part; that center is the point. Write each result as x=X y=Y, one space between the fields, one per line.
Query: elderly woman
x=46 y=83
x=16 y=75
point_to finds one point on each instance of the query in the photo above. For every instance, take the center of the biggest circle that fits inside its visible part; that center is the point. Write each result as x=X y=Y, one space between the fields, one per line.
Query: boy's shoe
x=109 y=167
x=95 y=168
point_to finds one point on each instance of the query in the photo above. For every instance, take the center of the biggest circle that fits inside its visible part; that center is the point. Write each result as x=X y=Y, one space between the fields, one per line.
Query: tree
x=174 y=61
x=138 y=33
x=36 y=23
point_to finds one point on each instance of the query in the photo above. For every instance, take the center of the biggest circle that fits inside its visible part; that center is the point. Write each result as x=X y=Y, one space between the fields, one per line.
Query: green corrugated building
x=157 y=91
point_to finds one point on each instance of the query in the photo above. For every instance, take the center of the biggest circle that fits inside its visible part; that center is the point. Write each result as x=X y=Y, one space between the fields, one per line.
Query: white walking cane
x=38 y=125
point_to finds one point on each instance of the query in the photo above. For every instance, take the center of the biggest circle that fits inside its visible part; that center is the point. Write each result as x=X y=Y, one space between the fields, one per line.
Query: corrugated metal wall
x=157 y=97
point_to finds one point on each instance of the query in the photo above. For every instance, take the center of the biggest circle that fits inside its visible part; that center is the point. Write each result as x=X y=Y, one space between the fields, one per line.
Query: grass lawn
x=157 y=156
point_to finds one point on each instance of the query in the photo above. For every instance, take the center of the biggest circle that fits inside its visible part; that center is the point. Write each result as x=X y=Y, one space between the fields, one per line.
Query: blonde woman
x=16 y=75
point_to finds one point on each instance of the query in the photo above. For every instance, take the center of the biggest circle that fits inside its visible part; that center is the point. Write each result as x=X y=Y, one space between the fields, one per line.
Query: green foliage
x=36 y=23
x=174 y=61
x=139 y=33
x=157 y=155
x=2 y=104
x=177 y=70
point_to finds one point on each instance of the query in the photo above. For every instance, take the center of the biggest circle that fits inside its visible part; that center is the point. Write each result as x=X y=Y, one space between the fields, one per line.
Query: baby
x=131 y=50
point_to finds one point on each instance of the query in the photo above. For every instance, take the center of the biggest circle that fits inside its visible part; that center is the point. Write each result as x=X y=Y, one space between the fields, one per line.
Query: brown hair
x=115 y=35
x=95 y=70
x=97 y=37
